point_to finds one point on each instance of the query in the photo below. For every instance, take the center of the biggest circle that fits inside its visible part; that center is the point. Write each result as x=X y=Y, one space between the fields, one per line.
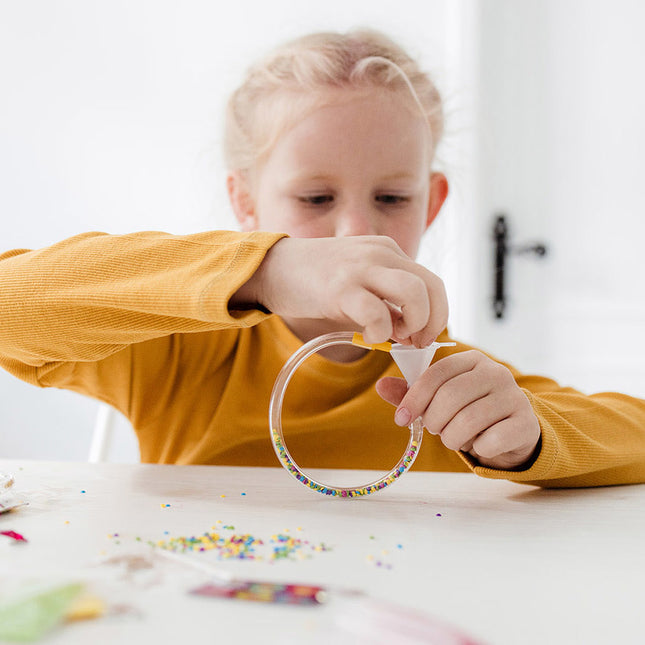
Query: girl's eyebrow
x=324 y=177
x=300 y=177
x=400 y=175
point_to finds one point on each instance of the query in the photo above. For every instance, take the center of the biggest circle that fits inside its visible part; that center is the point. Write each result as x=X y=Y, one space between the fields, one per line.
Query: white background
x=110 y=120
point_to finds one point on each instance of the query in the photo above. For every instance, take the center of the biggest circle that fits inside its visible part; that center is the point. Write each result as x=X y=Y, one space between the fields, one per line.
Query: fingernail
x=402 y=417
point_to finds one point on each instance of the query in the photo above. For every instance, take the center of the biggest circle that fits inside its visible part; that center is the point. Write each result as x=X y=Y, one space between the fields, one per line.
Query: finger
x=468 y=447
x=513 y=437
x=391 y=389
x=425 y=388
x=472 y=420
x=459 y=396
x=369 y=312
x=394 y=276
x=407 y=292
x=497 y=440
x=438 y=316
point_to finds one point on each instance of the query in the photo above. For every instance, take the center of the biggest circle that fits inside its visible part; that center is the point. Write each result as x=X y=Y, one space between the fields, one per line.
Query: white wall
x=110 y=120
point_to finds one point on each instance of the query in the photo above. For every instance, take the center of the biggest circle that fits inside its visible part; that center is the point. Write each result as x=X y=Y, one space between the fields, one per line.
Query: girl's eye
x=316 y=200
x=392 y=199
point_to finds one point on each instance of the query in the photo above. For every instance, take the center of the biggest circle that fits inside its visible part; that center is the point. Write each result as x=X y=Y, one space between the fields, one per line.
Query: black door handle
x=502 y=250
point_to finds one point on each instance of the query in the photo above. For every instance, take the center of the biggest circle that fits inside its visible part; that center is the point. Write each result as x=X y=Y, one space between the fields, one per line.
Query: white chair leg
x=102 y=436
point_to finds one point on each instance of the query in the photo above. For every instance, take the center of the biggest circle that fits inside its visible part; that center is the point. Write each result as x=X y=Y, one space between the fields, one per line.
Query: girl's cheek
x=309 y=227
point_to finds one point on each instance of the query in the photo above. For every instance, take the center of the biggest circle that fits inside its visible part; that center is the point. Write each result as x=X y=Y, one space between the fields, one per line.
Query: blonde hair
x=292 y=80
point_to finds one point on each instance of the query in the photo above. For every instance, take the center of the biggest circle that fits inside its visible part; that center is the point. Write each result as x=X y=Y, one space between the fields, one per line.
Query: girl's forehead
x=290 y=108
x=334 y=128
x=351 y=139
x=357 y=119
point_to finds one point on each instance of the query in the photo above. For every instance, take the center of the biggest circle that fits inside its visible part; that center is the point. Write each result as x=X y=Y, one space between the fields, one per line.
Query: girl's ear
x=239 y=194
x=438 y=194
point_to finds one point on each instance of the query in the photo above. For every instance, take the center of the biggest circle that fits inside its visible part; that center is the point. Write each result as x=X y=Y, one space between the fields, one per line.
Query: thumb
x=392 y=389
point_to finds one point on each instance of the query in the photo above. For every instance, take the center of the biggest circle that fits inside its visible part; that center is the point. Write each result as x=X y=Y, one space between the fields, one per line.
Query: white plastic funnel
x=414 y=361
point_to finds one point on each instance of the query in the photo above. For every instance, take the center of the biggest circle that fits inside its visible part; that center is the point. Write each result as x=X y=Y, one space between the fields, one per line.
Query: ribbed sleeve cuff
x=214 y=299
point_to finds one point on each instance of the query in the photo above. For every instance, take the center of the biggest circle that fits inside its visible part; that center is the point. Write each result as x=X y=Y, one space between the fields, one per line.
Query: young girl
x=330 y=145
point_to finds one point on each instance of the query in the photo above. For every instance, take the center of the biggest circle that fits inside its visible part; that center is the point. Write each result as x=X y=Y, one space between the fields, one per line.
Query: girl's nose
x=354 y=222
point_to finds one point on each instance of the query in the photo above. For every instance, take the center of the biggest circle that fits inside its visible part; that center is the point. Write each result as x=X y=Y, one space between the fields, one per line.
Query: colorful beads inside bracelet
x=275 y=418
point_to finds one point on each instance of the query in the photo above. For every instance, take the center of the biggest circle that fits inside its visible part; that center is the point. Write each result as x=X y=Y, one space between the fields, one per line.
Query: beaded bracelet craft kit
x=411 y=361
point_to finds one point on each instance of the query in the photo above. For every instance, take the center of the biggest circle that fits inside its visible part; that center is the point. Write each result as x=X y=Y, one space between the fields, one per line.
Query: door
x=561 y=152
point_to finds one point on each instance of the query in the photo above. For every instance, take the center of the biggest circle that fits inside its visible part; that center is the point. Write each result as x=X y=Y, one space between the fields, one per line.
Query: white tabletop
x=504 y=563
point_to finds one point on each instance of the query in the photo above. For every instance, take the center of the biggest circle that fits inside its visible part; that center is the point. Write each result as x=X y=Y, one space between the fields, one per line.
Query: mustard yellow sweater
x=142 y=322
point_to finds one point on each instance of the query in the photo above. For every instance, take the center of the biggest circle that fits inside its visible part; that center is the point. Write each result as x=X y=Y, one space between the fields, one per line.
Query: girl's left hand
x=474 y=404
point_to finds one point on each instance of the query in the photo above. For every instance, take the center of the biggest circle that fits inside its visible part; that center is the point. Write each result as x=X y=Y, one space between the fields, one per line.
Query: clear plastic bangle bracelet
x=277 y=398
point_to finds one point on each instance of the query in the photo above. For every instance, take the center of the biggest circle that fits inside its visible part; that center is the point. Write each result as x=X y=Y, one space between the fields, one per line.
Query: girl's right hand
x=367 y=283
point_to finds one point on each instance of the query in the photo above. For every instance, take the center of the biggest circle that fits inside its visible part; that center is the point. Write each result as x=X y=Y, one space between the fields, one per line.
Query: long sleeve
x=90 y=296
x=586 y=440
x=128 y=319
